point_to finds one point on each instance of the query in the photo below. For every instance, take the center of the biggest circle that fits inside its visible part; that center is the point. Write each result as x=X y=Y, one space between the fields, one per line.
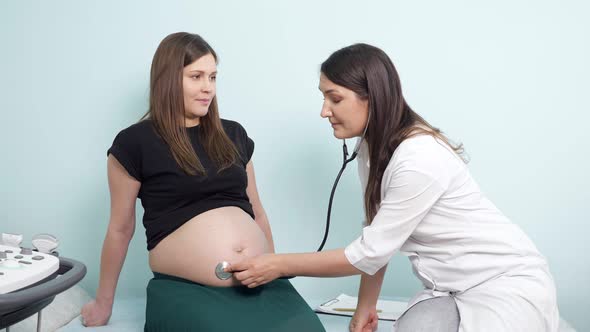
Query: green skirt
x=176 y=304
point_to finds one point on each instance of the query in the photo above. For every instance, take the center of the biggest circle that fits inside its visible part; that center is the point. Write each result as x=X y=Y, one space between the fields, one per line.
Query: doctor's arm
x=370 y=288
x=408 y=198
x=330 y=263
x=365 y=314
x=259 y=213
x=265 y=268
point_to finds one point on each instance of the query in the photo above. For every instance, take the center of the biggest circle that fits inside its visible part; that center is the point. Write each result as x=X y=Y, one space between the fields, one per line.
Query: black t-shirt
x=169 y=196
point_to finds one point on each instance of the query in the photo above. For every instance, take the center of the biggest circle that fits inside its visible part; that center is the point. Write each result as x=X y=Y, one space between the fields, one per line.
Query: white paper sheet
x=390 y=310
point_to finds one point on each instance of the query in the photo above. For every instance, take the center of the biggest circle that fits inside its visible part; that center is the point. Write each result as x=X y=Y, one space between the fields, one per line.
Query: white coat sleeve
x=408 y=198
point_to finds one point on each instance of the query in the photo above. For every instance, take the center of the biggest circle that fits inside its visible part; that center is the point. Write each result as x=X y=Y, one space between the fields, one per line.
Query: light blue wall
x=508 y=79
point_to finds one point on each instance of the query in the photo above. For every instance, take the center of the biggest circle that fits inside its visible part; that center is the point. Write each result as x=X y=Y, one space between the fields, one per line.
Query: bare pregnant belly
x=193 y=250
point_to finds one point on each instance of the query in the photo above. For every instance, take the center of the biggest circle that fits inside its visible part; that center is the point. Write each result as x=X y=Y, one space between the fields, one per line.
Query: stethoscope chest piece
x=220 y=273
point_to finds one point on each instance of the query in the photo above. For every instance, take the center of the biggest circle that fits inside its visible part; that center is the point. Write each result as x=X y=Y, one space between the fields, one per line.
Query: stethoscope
x=345 y=161
x=219 y=269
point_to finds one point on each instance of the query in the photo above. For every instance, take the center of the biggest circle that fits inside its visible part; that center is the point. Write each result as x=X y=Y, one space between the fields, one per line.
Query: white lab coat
x=458 y=242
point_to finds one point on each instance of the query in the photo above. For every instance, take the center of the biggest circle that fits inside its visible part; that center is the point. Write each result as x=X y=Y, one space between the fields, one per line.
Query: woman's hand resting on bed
x=96 y=313
x=256 y=271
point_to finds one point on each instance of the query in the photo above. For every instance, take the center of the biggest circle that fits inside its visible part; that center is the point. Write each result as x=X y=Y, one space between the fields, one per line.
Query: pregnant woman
x=193 y=174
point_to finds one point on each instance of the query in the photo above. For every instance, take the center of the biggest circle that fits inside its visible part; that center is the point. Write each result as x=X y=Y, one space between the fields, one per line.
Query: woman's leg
x=175 y=304
x=439 y=314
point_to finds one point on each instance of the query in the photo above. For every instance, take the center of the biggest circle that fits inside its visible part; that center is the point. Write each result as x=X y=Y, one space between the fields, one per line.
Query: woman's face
x=198 y=87
x=345 y=110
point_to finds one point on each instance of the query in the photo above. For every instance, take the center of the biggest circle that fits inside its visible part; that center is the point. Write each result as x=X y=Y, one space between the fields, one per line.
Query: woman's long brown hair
x=166 y=106
x=369 y=72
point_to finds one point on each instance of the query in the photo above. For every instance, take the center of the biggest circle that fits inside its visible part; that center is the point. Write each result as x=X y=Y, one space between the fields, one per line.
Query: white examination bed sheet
x=129 y=316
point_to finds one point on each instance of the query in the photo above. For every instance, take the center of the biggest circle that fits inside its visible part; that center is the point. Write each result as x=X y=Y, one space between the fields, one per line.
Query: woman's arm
x=124 y=190
x=259 y=213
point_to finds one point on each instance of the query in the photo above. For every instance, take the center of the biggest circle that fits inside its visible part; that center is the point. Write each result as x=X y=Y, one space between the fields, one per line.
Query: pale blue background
x=508 y=79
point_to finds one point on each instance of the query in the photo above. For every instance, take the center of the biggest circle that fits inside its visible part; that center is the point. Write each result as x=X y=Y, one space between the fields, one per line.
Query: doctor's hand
x=96 y=313
x=364 y=321
x=256 y=271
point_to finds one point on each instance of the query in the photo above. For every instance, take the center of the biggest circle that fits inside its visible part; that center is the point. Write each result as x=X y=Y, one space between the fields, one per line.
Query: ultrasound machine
x=30 y=278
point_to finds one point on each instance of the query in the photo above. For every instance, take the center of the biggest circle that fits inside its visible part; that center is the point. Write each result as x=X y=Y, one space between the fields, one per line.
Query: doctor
x=479 y=270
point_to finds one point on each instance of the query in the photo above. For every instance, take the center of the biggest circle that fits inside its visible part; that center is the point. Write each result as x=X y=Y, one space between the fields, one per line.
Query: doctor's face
x=346 y=111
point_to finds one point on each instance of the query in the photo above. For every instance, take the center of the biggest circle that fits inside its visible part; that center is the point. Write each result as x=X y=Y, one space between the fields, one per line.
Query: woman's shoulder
x=137 y=132
x=231 y=124
x=236 y=132
x=140 y=127
x=233 y=128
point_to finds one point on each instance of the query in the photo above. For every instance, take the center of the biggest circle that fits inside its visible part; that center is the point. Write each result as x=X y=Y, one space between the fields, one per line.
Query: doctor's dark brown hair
x=369 y=72
x=166 y=105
